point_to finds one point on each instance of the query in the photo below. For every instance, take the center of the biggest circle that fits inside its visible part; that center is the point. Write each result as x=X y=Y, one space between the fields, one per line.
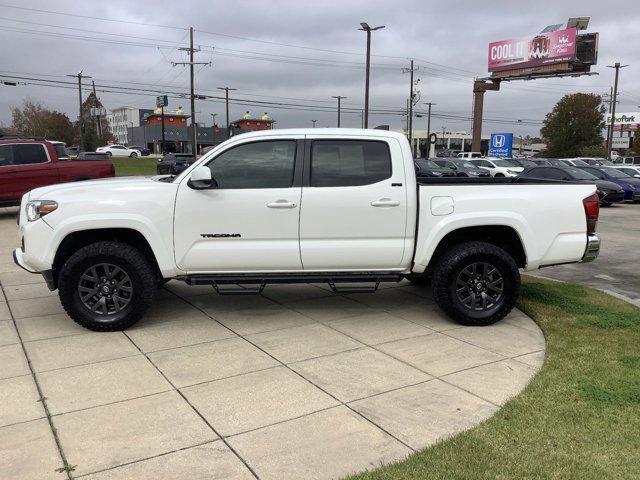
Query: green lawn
x=580 y=416
x=135 y=166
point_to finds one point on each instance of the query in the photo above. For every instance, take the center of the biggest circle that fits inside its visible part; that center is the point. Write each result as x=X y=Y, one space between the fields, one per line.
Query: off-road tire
x=455 y=260
x=143 y=279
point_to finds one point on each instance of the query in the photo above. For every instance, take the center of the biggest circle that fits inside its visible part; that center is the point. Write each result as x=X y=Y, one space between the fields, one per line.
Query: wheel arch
x=74 y=241
x=503 y=236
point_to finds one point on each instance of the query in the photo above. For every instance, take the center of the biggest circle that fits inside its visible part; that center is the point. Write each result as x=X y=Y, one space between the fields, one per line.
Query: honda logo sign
x=501 y=145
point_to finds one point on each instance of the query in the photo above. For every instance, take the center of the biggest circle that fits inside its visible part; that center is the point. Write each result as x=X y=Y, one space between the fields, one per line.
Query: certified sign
x=501 y=145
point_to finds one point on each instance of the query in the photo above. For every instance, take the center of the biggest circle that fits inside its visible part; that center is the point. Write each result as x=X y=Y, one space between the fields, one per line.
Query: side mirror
x=201 y=179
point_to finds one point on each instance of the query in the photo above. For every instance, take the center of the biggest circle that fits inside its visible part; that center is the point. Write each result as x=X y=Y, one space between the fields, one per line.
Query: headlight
x=436 y=174
x=512 y=172
x=39 y=208
x=474 y=174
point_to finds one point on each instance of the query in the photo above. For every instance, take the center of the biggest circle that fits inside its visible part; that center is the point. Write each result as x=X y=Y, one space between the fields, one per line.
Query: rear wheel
x=109 y=154
x=476 y=283
x=133 y=154
x=499 y=175
x=107 y=286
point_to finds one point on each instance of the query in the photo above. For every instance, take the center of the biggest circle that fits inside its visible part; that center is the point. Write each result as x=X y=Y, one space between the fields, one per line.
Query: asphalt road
x=617 y=269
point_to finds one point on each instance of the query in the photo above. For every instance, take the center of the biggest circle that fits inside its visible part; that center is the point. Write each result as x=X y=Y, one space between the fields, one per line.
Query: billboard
x=501 y=145
x=544 y=49
x=629 y=118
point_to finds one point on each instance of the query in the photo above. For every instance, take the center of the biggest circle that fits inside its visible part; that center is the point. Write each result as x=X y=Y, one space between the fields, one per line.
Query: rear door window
x=349 y=163
x=29 y=153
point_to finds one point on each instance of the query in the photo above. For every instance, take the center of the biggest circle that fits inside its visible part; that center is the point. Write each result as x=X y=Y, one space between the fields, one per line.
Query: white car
x=498 y=167
x=119 y=151
x=256 y=210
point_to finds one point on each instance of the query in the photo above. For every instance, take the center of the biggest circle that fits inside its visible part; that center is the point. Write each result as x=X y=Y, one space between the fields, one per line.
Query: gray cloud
x=452 y=35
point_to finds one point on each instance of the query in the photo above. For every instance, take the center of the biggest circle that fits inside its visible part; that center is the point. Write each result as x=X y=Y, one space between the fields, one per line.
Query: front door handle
x=281 y=204
x=385 y=202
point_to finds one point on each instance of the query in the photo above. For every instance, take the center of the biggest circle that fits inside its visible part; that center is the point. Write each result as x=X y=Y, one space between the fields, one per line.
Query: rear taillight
x=591 y=212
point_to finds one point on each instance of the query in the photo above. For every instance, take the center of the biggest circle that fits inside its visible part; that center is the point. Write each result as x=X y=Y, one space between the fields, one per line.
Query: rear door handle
x=385 y=202
x=281 y=204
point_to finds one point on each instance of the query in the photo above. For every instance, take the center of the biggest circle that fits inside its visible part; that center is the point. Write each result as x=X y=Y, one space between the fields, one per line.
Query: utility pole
x=191 y=64
x=339 y=99
x=226 y=100
x=479 y=87
x=410 y=71
x=366 y=28
x=80 y=76
x=93 y=84
x=610 y=126
x=617 y=66
x=429 y=126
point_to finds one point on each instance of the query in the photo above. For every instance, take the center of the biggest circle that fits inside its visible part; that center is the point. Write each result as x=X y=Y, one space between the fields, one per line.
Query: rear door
x=354 y=205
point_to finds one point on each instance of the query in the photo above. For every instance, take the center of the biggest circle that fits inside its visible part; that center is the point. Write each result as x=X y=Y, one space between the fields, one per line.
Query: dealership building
x=460 y=141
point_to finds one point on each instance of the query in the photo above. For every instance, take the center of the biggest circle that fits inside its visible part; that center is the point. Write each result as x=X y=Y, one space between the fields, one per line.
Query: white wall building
x=122 y=118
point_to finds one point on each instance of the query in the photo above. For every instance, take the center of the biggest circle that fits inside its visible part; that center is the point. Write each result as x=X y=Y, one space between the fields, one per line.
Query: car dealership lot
x=297 y=382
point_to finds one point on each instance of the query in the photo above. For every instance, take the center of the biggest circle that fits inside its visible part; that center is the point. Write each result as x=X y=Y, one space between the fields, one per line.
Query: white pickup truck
x=309 y=205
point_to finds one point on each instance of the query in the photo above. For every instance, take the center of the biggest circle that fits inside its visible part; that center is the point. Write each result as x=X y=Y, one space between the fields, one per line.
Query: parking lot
x=296 y=383
x=616 y=269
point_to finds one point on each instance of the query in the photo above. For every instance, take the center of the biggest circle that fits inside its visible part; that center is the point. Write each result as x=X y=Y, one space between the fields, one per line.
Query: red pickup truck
x=28 y=163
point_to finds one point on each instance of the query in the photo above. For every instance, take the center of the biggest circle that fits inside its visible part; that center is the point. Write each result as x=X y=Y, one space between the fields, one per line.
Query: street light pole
x=339 y=97
x=617 y=66
x=314 y=123
x=213 y=118
x=226 y=101
x=366 y=28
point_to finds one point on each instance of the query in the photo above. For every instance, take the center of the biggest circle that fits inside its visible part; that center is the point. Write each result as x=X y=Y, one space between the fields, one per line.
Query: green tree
x=35 y=119
x=574 y=124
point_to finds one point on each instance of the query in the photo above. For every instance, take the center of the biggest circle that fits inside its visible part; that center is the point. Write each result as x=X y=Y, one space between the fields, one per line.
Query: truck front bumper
x=18 y=258
x=593 y=249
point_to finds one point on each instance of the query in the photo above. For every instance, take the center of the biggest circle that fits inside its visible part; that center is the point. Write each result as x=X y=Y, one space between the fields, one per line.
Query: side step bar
x=233 y=284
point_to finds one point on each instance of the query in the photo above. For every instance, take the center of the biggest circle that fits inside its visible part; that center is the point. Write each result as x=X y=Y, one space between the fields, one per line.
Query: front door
x=23 y=167
x=354 y=211
x=250 y=221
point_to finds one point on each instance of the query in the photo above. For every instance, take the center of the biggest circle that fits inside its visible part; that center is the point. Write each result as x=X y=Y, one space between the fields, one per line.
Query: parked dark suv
x=462 y=168
x=174 y=163
x=608 y=192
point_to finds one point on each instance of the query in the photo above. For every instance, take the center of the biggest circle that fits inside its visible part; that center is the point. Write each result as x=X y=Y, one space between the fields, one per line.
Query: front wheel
x=107 y=286
x=133 y=154
x=109 y=154
x=476 y=283
x=499 y=175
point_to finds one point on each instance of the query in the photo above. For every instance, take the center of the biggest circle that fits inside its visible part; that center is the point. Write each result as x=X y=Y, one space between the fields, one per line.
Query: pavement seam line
x=197 y=412
x=43 y=400
x=368 y=420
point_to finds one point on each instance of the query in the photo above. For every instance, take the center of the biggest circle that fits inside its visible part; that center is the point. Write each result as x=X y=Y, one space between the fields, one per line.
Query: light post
x=213 y=118
x=314 y=123
x=366 y=28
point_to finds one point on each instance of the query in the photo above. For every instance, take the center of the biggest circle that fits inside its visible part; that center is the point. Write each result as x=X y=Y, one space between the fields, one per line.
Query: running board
x=238 y=281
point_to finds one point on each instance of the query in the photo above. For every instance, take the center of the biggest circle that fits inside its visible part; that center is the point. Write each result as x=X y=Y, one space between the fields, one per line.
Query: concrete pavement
x=296 y=383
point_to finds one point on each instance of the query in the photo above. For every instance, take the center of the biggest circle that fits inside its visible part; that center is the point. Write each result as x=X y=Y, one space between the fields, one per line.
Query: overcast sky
x=324 y=56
